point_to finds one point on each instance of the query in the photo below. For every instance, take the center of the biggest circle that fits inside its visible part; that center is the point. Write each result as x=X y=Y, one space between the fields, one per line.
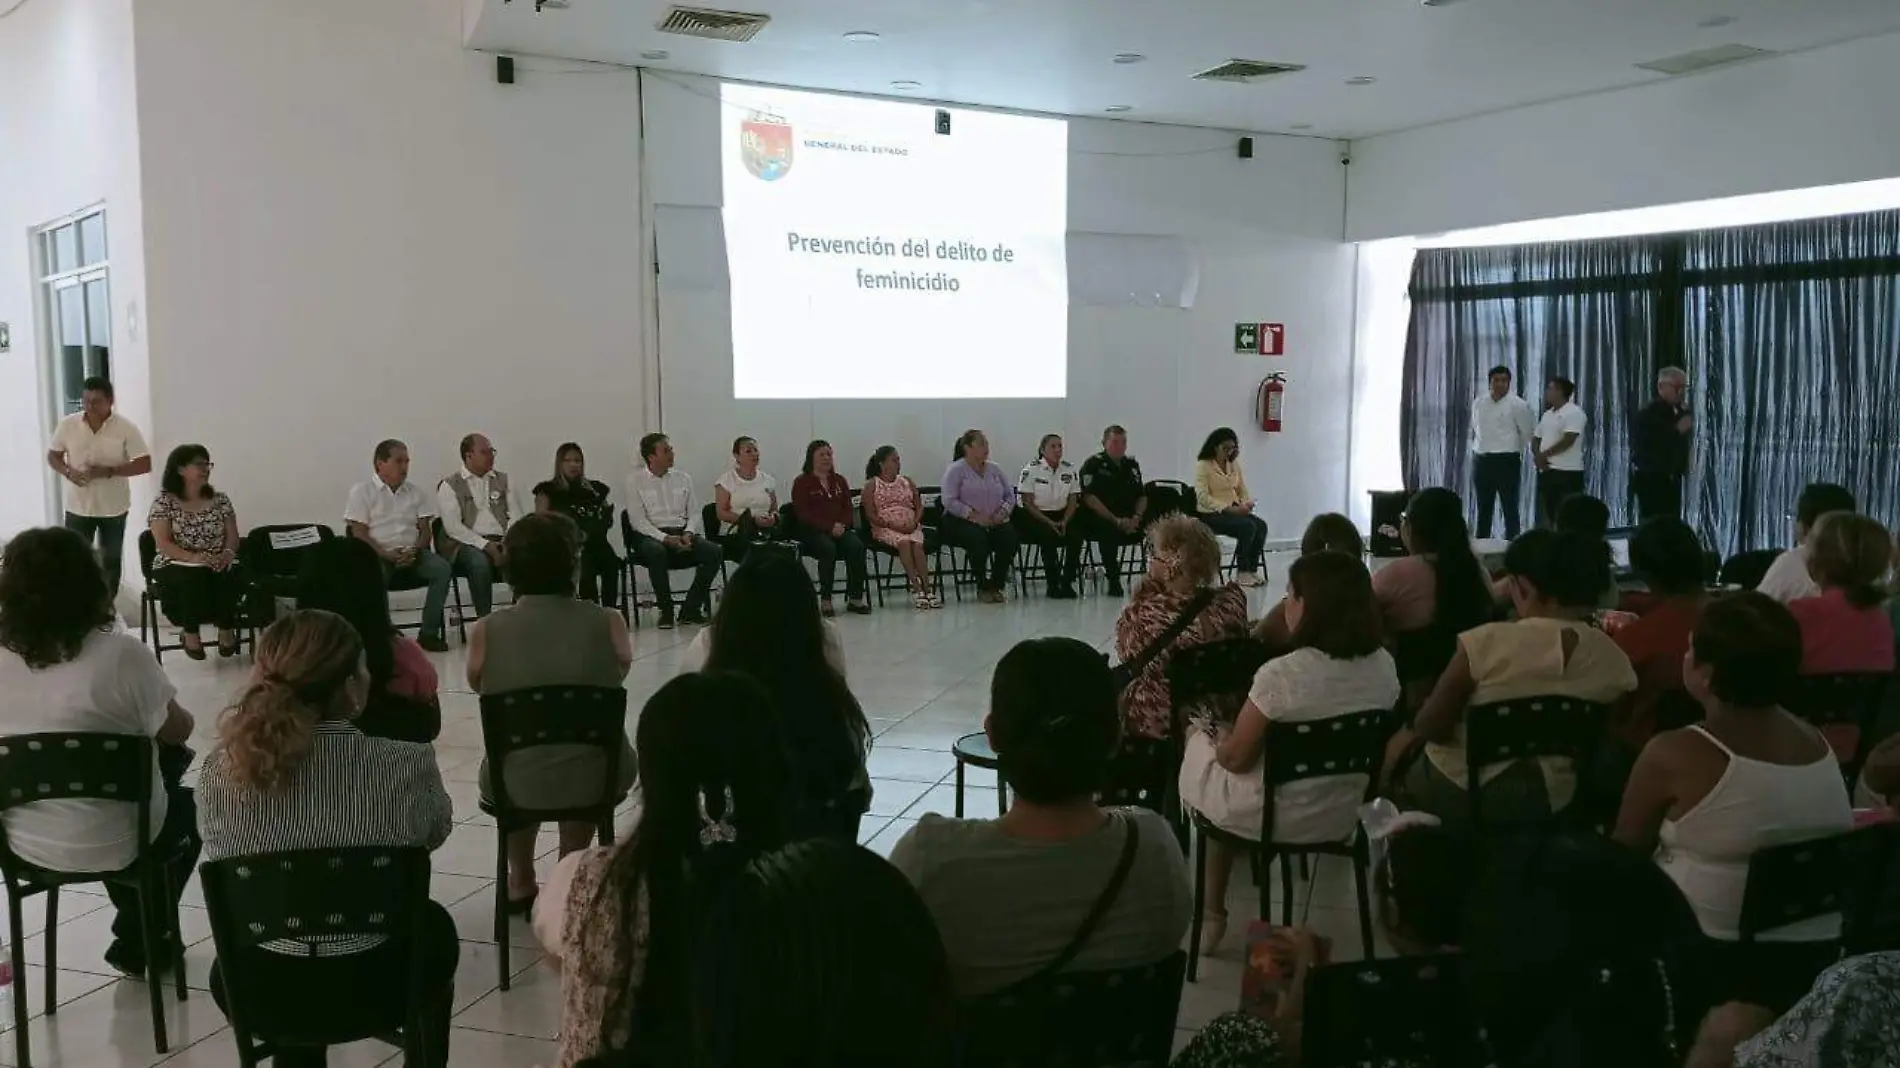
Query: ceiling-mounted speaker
x=1246 y=148
x=505 y=69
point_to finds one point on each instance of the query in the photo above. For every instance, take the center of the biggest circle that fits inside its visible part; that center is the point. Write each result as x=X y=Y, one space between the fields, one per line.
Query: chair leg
x=177 y=929
x=1361 y=860
x=1286 y=889
x=1200 y=903
x=959 y=788
x=17 y=951
x=154 y=913
x=501 y=901
x=1262 y=868
x=1002 y=795
x=461 y=617
x=52 y=951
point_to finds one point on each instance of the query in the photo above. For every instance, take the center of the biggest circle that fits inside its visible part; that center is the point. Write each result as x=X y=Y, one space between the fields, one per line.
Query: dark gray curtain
x=1790 y=333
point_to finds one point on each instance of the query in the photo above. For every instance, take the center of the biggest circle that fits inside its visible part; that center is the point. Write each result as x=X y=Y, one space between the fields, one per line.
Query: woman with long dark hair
x=196 y=532
x=344 y=576
x=828 y=528
x=768 y=627
x=584 y=500
x=714 y=794
x=1440 y=583
x=1225 y=504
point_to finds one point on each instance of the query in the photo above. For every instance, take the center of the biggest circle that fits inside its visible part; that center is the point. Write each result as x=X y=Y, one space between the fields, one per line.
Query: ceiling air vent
x=1246 y=70
x=1691 y=62
x=717 y=25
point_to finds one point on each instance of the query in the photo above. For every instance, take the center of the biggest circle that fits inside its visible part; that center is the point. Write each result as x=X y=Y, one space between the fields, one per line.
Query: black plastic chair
x=103 y=767
x=359 y=890
x=1747 y=569
x=958 y=569
x=1123 y=1017
x=273 y=559
x=1871 y=912
x=1795 y=882
x=1847 y=700
x=1411 y=1010
x=1142 y=774
x=519 y=720
x=886 y=573
x=1127 y=568
x=1528 y=727
x=1352 y=744
x=151 y=623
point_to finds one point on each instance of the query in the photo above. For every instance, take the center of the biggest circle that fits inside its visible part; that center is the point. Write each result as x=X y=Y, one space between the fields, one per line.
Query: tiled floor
x=923 y=679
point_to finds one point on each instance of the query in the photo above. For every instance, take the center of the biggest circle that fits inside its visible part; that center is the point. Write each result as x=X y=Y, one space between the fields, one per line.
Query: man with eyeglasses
x=477 y=507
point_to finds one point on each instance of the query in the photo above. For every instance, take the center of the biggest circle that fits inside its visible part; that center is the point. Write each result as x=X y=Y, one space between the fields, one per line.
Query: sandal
x=920 y=600
x=827 y=609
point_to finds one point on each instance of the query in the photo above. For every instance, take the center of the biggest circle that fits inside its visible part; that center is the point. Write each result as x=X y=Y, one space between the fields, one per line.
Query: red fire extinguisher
x=1269 y=400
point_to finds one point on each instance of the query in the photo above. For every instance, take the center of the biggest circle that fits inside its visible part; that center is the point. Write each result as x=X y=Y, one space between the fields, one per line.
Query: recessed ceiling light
x=906 y=86
x=1301 y=126
x=655 y=53
x=1126 y=58
x=1363 y=79
x=1116 y=109
x=1716 y=22
x=860 y=36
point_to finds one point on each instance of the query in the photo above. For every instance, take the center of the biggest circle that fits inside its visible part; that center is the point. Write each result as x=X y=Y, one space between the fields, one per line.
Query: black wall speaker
x=505 y=69
x=1246 y=148
x=943 y=122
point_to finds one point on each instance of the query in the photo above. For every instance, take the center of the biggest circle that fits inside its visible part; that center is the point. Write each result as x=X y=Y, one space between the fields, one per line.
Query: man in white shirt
x=477 y=506
x=1501 y=429
x=1558 y=449
x=396 y=517
x=1788 y=578
x=665 y=518
x=1050 y=493
x=95 y=450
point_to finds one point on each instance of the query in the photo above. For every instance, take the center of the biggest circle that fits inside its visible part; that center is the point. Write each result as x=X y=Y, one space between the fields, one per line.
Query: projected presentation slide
x=873 y=256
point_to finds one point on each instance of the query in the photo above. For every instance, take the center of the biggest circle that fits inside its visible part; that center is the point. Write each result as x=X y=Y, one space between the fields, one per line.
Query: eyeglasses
x=206 y=464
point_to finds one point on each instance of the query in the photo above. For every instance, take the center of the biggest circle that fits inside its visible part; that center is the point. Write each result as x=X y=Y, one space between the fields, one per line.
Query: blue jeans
x=1249 y=531
x=480 y=572
x=433 y=571
x=110 y=531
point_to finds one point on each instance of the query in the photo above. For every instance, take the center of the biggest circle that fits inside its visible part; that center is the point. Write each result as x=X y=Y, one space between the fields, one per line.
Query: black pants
x=195 y=596
x=178 y=839
x=600 y=574
x=990 y=549
x=704 y=558
x=1497 y=477
x=1248 y=531
x=1066 y=547
x=1657 y=494
x=110 y=531
x=296 y=993
x=828 y=550
x=1552 y=487
x=1109 y=541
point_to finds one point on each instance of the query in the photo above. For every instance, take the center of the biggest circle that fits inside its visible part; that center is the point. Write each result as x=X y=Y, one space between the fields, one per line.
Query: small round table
x=975 y=749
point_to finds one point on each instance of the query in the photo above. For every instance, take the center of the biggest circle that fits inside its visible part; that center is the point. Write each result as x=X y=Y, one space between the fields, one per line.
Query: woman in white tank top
x=1705 y=798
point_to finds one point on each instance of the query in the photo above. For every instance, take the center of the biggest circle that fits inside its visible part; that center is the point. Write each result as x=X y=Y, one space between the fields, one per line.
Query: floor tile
x=485 y=1049
x=890 y=797
x=531 y=1007
x=882 y=842
x=112 y=1026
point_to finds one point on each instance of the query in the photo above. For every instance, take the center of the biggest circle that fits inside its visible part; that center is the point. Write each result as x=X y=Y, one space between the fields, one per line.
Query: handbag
x=1126 y=672
x=1102 y=903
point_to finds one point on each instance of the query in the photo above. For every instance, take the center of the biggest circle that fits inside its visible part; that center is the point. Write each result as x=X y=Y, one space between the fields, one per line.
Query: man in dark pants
x=1501 y=429
x=1558 y=449
x=96 y=451
x=1659 y=447
x=1114 y=506
x=664 y=517
x=1050 y=494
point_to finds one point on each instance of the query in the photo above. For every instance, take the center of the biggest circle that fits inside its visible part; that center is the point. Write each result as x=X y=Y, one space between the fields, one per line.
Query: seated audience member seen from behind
x=1846 y=629
x=1054 y=727
x=65 y=667
x=1788 y=578
x=395 y=517
x=1845 y=1021
x=1329 y=530
x=978 y=500
x=1227 y=506
x=768 y=627
x=1114 y=502
x=1667 y=556
x=828 y=528
x=665 y=517
x=746 y=501
x=196 y=533
x=290 y=772
x=1183 y=567
x=622 y=919
x=548 y=638
x=1705 y=798
x=1550 y=650
x=1337 y=667
x=584 y=500
x=1433 y=594
x=821 y=956
x=342 y=575
x=477 y=505
x=1050 y=495
x=1589 y=517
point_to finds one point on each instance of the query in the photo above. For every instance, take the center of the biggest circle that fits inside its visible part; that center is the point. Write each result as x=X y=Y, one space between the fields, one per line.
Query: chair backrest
x=278 y=551
x=1796 y=881
x=1213 y=669
x=626 y=529
x=931 y=497
x=1166 y=495
x=148 y=553
x=1076 y=1019
x=356 y=890
x=1827 y=700
x=1747 y=569
x=1550 y=726
x=1412 y=1010
x=709 y=519
x=554 y=715
x=76 y=765
x=1351 y=744
x=1140 y=773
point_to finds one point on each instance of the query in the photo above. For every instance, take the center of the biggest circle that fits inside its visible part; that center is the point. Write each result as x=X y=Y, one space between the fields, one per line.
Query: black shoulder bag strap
x=1132 y=669
x=1102 y=904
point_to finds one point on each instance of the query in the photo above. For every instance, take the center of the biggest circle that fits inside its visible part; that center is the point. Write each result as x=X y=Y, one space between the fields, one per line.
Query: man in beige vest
x=477 y=507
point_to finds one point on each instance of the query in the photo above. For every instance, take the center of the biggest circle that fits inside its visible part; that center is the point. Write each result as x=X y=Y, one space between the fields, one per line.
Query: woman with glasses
x=196 y=530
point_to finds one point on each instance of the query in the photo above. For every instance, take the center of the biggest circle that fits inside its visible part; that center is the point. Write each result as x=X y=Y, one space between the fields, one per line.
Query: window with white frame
x=71 y=258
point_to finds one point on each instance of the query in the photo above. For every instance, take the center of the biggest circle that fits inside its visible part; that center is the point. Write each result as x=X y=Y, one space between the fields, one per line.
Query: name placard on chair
x=294 y=539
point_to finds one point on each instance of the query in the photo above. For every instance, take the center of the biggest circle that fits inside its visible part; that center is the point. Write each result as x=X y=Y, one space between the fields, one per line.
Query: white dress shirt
x=658 y=502
x=391 y=515
x=1048 y=489
x=1557 y=422
x=485 y=491
x=1501 y=426
x=1788 y=578
x=116 y=442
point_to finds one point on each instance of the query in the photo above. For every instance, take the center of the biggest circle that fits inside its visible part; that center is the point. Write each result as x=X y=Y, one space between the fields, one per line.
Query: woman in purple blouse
x=977 y=501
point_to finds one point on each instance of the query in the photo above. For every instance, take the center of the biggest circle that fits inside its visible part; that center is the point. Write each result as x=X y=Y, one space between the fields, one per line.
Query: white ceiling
x=1432 y=64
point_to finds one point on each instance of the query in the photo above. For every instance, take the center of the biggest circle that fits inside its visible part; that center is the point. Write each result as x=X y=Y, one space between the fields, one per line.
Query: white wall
x=357 y=234
x=68 y=140
x=1815 y=118
x=1263 y=235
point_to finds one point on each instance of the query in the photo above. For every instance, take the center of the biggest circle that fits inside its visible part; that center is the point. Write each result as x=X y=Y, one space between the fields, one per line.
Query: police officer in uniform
x=1051 y=492
x=1114 y=506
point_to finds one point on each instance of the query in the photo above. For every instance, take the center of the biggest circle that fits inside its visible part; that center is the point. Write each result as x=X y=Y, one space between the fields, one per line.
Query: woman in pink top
x=894 y=511
x=1846 y=630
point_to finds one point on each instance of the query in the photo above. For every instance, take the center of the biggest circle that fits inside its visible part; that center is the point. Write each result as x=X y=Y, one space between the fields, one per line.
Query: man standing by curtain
x=1659 y=447
x=1558 y=449
x=1501 y=427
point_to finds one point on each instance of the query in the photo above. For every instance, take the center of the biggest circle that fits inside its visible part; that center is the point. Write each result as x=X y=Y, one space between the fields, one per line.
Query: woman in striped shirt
x=292 y=772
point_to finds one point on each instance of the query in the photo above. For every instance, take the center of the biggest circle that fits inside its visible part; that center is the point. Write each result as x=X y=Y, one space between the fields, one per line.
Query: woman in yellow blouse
x=1220 y=495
